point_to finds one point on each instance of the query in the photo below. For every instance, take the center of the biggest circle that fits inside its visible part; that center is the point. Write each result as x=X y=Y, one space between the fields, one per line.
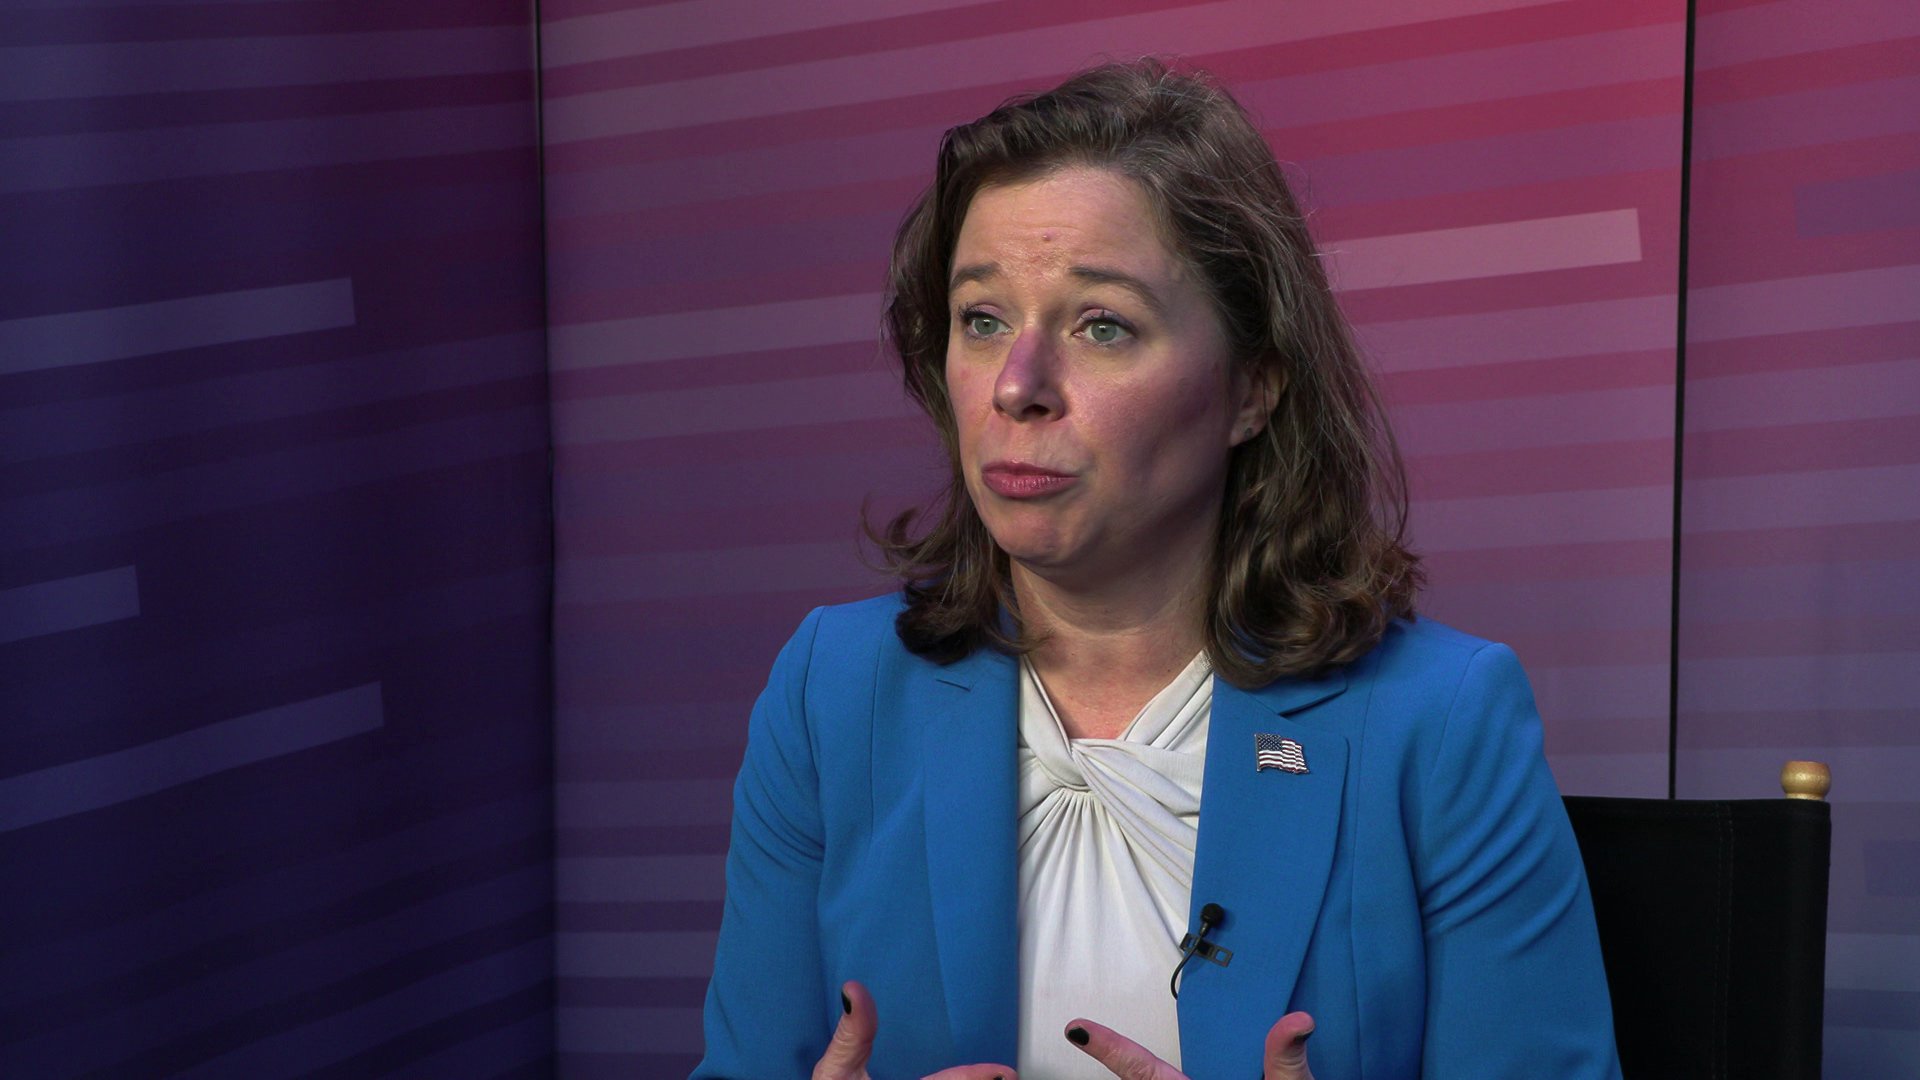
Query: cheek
x=970 y=393
x=1175 y=419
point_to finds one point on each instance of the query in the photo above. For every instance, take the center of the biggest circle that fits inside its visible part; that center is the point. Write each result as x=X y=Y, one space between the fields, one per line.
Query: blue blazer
x=1419 y=890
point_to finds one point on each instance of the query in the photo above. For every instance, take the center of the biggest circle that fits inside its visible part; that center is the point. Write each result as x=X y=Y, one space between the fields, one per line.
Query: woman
x=968 y=831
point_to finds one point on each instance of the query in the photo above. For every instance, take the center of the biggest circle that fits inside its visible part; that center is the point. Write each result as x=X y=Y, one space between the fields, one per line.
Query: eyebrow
x=1092 y=275
x=1099 y=275
x=979 y=272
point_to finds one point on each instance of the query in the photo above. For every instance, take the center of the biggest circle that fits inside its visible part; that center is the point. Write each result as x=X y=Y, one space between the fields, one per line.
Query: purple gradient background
x=720 y=201
x=720 y=197
x=291 y=682
x=1800 y=560
x=275 y=758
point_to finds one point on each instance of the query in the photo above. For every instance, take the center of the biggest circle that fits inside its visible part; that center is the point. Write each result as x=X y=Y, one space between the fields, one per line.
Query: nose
x=1028 y=385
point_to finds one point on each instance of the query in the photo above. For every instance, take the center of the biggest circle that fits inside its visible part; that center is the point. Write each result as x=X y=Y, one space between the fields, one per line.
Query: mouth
x=1022 y=480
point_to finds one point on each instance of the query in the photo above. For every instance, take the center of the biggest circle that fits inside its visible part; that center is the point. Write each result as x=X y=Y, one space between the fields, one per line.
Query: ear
x=1257 y=387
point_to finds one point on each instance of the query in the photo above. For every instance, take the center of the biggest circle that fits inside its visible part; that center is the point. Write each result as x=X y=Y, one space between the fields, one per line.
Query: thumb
x=852 y=1042
x=1287 y=1048
x=975 y=1072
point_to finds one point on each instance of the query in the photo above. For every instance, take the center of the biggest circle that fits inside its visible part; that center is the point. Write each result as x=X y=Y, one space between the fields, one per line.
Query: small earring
x=1248 y=434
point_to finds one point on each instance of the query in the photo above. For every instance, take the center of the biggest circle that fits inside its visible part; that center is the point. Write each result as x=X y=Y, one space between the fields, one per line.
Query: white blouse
x=1107 y=830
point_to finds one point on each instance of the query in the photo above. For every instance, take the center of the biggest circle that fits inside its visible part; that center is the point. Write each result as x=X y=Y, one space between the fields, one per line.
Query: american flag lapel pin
x=1274 y=752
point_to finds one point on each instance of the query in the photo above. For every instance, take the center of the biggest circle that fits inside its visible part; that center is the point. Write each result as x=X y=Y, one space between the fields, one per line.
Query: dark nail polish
x=1301 y=1039
x=1077 y=1036
x=846 y=1003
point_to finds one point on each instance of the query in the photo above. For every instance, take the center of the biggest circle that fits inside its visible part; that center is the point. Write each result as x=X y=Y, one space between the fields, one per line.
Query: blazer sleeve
x=765 y=1017
x=1515 y=983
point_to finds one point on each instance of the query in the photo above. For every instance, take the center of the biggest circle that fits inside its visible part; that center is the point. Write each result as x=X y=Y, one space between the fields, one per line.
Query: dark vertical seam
x=553 y=525
x=1723 y=942
x=1680 y=410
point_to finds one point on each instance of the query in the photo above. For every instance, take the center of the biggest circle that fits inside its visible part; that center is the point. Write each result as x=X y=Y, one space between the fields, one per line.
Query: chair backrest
x=1713 y=920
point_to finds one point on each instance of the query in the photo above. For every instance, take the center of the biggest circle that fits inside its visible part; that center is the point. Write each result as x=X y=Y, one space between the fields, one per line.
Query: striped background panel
x=1799 y=636
x=1496 y=183
x=274 y=714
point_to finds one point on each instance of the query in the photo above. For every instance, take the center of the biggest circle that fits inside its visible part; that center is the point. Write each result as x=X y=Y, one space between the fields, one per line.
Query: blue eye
x=980 y=324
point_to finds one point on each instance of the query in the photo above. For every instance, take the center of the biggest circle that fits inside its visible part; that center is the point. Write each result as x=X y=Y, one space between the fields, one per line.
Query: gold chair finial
x=1806 y=780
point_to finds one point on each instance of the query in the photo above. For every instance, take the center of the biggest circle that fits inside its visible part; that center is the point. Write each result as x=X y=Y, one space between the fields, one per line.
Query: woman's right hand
x=852 y=1043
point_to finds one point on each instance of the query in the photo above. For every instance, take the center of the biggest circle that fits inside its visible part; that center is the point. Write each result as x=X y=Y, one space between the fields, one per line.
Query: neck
x=1106 y=650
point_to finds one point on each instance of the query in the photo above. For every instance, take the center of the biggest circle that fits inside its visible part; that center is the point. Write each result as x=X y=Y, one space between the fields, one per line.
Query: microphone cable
x=1211 y=916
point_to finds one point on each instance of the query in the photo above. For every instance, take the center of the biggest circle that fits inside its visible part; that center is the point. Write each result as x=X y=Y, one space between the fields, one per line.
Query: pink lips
x=1019 y=480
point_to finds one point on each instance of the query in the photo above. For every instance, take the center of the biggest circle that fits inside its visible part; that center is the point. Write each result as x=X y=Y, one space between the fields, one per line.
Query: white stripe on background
x=49 y=607
x=660 y=28
x=658 y=954
x=951 y=65
x=623 y=1030
x=615 y=803
x=635 y=878
x=1889 y=962
x=39 y=342
x=111 y=69
x=719 y=572
x=1482 y=251
x=747 y=407
x=1791 y=305
x=80 y=786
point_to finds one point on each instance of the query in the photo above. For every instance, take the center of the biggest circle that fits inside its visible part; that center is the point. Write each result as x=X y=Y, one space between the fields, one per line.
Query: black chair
x=1713 y=923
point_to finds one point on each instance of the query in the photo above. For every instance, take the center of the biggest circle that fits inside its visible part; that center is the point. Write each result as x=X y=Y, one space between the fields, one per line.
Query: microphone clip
x=1205 y=950
x=1193 y=945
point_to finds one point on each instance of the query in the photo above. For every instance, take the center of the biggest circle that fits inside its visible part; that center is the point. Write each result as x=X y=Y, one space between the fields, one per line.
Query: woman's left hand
x=1286 y=1057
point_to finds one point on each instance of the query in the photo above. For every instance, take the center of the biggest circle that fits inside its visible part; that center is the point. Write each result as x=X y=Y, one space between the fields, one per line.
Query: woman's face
x=1091 y=382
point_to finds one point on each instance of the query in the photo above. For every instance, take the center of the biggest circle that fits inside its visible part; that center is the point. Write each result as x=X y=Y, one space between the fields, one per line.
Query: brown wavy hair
x=1310 y=567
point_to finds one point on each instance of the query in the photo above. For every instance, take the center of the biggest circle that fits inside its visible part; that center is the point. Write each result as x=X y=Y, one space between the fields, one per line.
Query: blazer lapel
x=1265 y=850
x=970 y=713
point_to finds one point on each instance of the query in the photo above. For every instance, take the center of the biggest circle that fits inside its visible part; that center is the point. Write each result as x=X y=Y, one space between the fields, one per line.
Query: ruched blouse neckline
x=1107 y=830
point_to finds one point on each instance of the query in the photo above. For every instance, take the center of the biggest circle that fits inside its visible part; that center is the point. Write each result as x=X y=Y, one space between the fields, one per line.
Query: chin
x=1036 y=551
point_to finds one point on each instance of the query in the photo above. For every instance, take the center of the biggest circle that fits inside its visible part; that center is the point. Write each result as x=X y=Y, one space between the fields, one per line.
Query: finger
x=1123 y=1057
x=975 y=1072
x=852 y=1042
x=1287 y=1048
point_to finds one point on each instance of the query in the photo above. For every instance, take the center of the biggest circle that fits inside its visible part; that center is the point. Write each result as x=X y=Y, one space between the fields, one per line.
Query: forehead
x=1064 y=217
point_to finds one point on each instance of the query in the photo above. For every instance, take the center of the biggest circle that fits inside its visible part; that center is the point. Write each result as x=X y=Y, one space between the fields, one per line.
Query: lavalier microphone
x=1192 y=945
